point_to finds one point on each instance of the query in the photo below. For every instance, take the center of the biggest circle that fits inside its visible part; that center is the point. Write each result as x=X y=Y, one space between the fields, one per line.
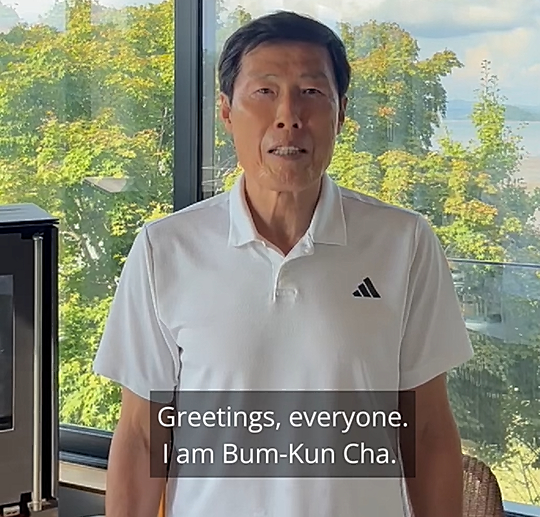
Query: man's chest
x=308 y=324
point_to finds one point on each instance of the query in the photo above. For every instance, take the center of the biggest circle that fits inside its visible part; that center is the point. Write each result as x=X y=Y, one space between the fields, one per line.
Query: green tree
x=396 y=98
x=86 y=133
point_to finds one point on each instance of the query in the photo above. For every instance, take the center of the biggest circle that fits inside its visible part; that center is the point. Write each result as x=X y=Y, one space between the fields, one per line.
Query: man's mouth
x=287 y=150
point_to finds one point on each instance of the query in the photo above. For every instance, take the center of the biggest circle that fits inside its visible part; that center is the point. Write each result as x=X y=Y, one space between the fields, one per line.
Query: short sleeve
x=435 y=338
x=137 y=350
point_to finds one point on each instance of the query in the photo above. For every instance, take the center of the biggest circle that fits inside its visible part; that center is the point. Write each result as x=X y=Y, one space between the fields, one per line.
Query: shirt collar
x=327 y=225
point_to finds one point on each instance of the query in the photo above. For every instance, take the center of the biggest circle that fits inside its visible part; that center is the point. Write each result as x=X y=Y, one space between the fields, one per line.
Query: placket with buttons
x=283 y=285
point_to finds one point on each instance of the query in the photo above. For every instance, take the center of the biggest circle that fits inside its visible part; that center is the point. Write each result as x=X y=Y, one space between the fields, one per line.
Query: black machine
x=28 y=362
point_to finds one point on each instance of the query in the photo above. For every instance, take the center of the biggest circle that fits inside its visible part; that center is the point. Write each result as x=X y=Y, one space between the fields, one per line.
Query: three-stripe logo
x=366 y=290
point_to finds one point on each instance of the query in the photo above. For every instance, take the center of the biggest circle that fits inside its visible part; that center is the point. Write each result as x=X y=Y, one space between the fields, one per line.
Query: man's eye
x=264 y=90
x=312 y=91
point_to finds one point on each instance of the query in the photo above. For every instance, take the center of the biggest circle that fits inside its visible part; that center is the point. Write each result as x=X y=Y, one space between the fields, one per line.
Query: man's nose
x=288 y=113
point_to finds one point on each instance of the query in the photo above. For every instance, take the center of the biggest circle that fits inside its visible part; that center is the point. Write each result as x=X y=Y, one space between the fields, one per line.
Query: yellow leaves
x=87 y=399
x=511 y=225
x=484 y=181
x=399 y=177
x=157 y=211
x=466 y=186
x=72 y=151
x=230 y=178
x=441 y=63
x=465 y=240
x=356 y=171
x=386 y=112
x=378 y=61
x=463 y=178
x=473 y=211
x=352 y=169
x=460 y=175
x=15 y=186
x=118 y=227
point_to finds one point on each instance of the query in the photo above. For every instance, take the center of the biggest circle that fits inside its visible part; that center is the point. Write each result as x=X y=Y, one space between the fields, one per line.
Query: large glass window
x=443 y=118
x=86 y=132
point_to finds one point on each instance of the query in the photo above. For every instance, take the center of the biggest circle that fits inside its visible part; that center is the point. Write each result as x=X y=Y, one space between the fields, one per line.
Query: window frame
x=90 y=447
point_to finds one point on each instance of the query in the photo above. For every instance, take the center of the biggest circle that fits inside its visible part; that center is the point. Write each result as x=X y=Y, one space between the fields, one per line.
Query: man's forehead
x=309 y=61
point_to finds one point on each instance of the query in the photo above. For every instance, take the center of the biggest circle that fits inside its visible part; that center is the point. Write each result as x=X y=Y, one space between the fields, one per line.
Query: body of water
x=463 y=131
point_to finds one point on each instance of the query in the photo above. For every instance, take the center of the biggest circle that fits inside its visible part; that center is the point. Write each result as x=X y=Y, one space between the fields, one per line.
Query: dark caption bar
x=283 y=434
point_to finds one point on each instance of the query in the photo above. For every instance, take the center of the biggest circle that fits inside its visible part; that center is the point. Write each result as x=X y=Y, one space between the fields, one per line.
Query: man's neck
x=281 y=218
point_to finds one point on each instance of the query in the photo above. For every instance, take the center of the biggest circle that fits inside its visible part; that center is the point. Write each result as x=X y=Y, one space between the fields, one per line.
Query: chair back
x=481 y=492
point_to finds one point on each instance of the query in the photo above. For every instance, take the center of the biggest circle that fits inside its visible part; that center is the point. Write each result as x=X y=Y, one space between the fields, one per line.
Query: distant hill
x=531 y=109
x=8 y=18
x=462 y=110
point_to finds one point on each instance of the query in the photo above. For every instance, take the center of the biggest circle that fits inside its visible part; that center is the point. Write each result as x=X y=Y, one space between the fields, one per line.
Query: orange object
x=161 y=512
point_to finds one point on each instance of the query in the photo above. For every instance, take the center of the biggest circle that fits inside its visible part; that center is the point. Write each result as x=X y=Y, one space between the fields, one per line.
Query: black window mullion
x=188 y=110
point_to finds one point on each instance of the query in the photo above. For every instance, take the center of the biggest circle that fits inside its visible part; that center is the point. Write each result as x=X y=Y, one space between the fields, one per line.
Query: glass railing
x=496 y=396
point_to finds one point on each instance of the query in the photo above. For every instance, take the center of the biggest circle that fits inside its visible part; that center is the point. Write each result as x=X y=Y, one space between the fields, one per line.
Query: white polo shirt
x=364 y=301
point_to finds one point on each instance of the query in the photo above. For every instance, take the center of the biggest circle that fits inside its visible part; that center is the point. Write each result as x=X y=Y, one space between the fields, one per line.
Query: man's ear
x=342 y=111
x=225 y=111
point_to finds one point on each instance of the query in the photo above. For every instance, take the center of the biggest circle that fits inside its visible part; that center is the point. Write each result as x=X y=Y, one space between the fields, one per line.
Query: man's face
x=285 y=115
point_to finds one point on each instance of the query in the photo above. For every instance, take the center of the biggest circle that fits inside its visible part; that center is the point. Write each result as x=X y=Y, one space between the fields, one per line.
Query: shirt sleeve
x=435 y=338
x=137 y=350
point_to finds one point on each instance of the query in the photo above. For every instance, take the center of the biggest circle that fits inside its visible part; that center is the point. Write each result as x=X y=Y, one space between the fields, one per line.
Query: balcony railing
x=499 y=299
x=496 y=396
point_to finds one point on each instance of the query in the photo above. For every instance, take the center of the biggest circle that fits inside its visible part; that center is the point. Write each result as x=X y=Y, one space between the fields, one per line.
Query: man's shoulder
x=191 y=220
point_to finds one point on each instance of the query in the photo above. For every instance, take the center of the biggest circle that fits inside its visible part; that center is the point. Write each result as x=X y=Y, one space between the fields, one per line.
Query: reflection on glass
x=499 y=302
x=6 y=353
x=496 y=396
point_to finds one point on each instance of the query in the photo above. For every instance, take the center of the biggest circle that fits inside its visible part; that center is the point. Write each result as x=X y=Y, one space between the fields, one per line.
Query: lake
x=463 y=131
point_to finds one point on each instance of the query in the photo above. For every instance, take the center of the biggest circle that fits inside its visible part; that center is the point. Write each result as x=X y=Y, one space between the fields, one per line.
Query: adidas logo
x=366 y=290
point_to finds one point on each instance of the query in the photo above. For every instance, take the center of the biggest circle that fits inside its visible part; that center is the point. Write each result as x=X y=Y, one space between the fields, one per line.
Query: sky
x=507 y=32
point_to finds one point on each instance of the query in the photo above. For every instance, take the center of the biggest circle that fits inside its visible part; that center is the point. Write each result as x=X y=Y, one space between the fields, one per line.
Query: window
x=443 y=118
x=87 y=129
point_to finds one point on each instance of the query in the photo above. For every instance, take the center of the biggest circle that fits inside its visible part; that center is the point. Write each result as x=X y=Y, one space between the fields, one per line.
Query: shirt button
x=286 y=292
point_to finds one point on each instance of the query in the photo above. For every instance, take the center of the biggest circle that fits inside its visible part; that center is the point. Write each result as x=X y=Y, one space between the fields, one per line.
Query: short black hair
x=278 y=27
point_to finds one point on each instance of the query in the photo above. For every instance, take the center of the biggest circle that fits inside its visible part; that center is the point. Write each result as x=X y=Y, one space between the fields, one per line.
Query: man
x=287 y=282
